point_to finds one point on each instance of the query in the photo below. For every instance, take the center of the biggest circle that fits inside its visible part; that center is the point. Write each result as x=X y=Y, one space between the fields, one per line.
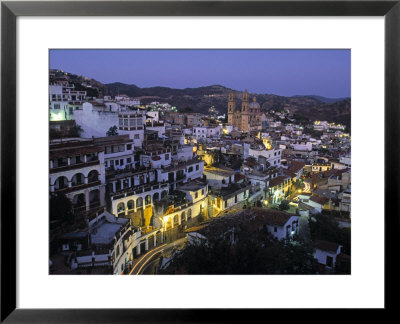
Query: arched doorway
x=61 y=183
x=78 y=179
x=93 y=176
x=121 y=209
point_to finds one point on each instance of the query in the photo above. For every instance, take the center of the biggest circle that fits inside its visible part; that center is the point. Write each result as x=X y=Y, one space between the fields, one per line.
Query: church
x=249 y=117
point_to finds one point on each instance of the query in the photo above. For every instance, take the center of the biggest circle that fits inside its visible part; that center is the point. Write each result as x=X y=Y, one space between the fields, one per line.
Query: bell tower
x=231 y=107
x=245 y=112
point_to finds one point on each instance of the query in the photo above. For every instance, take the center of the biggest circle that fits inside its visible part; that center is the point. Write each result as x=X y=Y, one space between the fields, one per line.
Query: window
x=196 y=195
x=116 y=162
x=136 y=136
x=128 y=160
x=121 y=162
x=275 y=229
x=190 y=169
x=129 y=146
x=197 y=167
x=167 y=156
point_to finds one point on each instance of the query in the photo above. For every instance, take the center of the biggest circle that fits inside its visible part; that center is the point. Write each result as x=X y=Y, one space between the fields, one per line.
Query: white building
x=326 y=253
x=346 y=160
x=273 y=156
x=118 y=151
x=218 y=178
x=302 y=146
x=207 y=133
x=77 y=170
x=95 y=119
x=132 y=123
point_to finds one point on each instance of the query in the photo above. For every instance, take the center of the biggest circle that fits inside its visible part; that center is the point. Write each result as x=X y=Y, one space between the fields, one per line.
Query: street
x=149 y=259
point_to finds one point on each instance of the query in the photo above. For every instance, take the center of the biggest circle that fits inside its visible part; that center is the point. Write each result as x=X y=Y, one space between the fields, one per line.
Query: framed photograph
x=197 y=159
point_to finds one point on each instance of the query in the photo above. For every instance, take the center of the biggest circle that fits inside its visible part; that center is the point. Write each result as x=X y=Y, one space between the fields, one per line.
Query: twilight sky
x=282 y=72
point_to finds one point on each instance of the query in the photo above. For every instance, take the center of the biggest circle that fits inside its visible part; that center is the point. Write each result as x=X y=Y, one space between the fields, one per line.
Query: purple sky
x=282 y=72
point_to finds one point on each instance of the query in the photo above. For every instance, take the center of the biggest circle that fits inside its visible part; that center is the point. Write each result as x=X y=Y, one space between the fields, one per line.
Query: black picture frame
x=10 y=10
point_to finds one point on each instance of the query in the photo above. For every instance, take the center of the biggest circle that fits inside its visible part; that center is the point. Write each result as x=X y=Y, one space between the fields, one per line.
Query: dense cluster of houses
x=162 y=170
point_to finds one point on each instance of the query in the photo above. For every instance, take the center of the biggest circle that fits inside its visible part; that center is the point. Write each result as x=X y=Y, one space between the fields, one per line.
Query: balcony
x=78 y=187
x=74 y=166
x=136 y=190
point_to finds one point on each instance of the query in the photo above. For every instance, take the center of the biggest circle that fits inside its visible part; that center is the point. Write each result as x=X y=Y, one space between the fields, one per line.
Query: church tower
x=245 y=112
x=231 y=107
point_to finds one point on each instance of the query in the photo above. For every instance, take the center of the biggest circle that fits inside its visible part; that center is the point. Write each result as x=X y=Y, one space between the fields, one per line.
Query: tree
x=326 y=228
x=60 y=208
x=217 y=157
x=252 y=253
x=284 y=205
x=112 y=131
x=187 y=110
x=75 y=131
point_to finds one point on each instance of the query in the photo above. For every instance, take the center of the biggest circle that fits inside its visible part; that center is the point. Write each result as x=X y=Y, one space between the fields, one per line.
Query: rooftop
x=278 y=180
x=63 y=149
x=104 y=231
x=326 y=246
x=220 y=171
x=192 y=186
x=252 y=219
x=118 y=139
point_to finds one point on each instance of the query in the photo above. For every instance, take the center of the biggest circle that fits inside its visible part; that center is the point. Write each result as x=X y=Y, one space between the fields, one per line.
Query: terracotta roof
x=239 y=176
x=296 y=166
x=290 y=173
x=73 y=151
x=339 y=172
x=319 y=200
x=276 y=181
x=251 y=162
x=326 y=246
x=252 y=219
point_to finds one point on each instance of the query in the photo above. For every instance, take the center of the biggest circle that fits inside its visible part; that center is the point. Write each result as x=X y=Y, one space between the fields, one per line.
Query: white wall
x=94 y=123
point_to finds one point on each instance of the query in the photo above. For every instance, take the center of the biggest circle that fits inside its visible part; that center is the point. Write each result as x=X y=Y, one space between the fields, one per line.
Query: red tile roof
x=276 y=181
x=326 y=246
x=239 y=176
x=296 y=166
x=319 y=200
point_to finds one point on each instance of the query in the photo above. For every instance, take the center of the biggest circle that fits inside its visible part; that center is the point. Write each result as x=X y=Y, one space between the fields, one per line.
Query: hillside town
x=139 y=187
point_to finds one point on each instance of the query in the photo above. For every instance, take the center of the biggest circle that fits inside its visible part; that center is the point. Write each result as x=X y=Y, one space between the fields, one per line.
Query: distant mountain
x=201 y=99
x=323 y=99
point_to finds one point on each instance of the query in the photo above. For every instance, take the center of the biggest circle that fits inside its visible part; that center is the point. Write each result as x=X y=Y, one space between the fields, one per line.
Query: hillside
x=202 y=98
